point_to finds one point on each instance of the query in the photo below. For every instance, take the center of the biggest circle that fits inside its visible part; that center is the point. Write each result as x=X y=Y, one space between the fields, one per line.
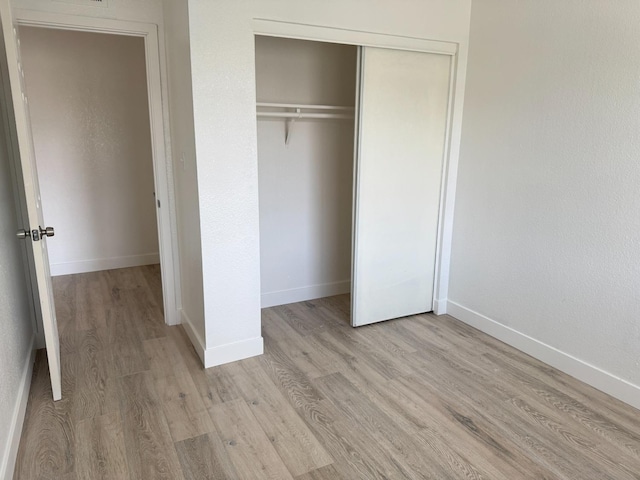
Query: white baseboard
x=99 y=264
x=10 y=454
x=221 y=354
x=301 y=294
x=232 y=352
x=589 y=374
x=194 y=336
x=440 y=306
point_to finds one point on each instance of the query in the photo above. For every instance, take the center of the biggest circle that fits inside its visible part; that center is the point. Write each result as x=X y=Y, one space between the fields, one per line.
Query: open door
x=33 y=233
x=402 y=119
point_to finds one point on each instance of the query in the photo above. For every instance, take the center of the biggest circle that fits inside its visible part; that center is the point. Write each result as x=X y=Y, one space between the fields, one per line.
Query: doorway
x=89 y=114
x=157 y=192
x=22 y=141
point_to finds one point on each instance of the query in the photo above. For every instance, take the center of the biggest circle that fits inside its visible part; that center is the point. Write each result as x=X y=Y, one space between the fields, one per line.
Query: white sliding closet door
x=399 y=160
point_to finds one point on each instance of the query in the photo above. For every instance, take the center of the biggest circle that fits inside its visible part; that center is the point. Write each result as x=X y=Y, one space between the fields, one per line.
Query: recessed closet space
x=306 y=94
x=352 y=144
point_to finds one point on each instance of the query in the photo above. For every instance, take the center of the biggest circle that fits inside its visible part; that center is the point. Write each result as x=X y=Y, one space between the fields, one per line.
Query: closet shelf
x=291 y=112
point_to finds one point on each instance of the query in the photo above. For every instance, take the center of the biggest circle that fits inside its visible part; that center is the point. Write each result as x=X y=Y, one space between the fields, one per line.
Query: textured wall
x=223 y=69
x=306 y=186
x=183 y=150
x=547 y=231
x=90 y=121
x=130 y=10
x=15 y=303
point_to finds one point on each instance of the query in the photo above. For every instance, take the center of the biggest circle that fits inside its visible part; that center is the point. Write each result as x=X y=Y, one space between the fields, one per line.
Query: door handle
x=47 y=232
x=36 y=235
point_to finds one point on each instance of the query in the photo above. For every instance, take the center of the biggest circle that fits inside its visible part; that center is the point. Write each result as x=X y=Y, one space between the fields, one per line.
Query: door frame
x=159 y=126
x=317 y=33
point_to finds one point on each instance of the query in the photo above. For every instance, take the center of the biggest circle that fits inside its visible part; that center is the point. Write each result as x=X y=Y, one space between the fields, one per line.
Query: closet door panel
x=401 y=143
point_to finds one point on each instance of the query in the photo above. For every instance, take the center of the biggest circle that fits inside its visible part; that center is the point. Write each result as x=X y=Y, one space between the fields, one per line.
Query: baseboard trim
x=10 y=455
x=440 y=306
x=232 y=352
x=99 y=264
x=302 y=294
x=194 y=336
x=585 y=372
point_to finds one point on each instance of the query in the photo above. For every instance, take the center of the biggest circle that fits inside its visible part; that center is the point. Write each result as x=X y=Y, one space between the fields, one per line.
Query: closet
x=351 y=148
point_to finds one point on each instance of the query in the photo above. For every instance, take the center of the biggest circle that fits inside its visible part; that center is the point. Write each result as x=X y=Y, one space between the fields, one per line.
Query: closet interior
x=352 y=144
x=306 y=93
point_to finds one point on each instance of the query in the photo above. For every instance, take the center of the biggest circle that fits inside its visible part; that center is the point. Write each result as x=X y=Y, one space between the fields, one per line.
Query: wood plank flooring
x=420 y=397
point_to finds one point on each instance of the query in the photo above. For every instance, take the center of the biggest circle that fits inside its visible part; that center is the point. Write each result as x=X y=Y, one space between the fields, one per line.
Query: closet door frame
x=274 y=28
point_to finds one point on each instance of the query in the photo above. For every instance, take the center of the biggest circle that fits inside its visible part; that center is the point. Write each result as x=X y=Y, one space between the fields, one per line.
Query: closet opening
x=90 y=118
x=352 y=144
x=306 y=96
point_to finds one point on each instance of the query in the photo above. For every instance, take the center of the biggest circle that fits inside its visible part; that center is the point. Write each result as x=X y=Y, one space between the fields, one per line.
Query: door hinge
x=158 y=203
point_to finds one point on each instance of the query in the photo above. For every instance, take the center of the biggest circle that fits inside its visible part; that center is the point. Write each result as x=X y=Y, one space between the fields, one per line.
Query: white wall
x=186 y=182
x=223 y=69
x=90 y=121
x=16 y=340
x=546 y=236
x=306 y=186
x=129 y=10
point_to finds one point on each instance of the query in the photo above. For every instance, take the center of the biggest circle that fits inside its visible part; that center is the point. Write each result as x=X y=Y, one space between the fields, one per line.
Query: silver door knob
x=47 y=232
x=22 y=234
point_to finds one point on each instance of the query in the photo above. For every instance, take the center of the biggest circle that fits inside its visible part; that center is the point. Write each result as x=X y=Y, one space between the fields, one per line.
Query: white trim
x=10 y=454
x=589 y=374
x=64 y=21
x=232 y=352
x=159 y=124
x=440 y=306
x=357 y=131
x=99 y=264
x=302 y=294
x=274 y=28
x=441 y=274
x=194 y=336
x=221 y=354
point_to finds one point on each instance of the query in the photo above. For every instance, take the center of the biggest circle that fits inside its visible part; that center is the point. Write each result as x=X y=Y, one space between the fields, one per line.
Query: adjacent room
x=307 y=240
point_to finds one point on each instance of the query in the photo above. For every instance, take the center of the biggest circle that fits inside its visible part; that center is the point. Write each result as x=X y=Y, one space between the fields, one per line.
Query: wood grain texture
x=150 y=451
x=325 y=473
x=419 y=397
x=300 y=451
x=47 y=446
x=205 y=458
x=101 y=453
x=248 y=446
x=182 y=404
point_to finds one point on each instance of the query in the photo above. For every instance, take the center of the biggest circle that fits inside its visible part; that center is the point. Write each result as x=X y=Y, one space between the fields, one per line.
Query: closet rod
x=296 y=115
x=303 y=106
x=279 y=110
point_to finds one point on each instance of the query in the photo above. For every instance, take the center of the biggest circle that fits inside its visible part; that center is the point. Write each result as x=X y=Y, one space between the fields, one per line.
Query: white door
x=36 y=231
x=403 y=107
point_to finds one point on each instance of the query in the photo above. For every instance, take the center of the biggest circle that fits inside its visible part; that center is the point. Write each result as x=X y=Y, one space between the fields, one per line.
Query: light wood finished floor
x=420 y=397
